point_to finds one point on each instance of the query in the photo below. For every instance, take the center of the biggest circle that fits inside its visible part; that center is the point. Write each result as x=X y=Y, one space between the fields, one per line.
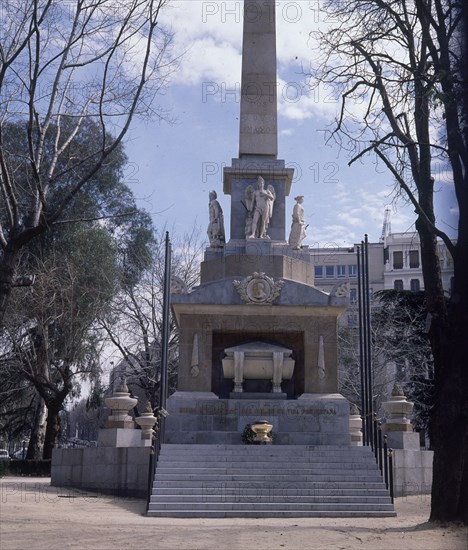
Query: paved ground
x=35 y=516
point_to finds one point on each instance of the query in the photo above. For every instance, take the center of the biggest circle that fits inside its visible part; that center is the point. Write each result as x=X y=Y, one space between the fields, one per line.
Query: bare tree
x=397 y=66
x=63 y=64
x=134 y=320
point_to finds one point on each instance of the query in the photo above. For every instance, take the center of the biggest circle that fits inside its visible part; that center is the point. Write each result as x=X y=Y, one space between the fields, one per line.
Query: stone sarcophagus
x=258 y=360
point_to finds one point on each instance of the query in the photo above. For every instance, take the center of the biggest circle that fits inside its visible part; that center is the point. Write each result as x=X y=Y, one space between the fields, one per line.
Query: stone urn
x=119 y=404
x=397 y=409
x=262 y=429
x=147 y=421
x=355 y=425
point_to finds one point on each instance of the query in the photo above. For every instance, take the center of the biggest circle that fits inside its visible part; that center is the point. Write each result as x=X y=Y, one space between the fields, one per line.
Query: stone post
x=355 y=425
x=147 y=421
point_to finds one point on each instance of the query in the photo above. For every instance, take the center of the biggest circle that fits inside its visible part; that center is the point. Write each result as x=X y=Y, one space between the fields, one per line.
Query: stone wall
x=119 y=471
x=412 y=471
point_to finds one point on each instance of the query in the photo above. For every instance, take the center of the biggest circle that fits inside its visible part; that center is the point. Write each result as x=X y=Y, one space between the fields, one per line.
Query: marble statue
x=215 y=230
x=259 y=205
x=298 y=226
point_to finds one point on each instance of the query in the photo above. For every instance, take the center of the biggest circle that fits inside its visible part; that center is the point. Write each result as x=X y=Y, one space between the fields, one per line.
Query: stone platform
x=312 y=419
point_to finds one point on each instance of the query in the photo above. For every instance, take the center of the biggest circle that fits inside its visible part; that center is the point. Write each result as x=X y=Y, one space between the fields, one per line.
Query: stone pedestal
x=120 y=403
x=412 y=467
x=313 y=419
x=397 y=409
x=147 y=421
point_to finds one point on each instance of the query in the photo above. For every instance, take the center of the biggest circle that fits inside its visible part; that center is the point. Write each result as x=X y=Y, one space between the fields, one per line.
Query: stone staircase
x=268 y=481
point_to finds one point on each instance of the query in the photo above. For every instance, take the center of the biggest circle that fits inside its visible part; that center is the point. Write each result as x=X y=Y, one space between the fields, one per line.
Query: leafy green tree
x=65 y=66
x=51 y=339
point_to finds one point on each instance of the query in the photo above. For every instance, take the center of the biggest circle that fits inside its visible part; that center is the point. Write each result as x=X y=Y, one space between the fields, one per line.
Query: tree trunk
x=52 y=431
x=450 y=414
x=8 y=265
x=37 y=439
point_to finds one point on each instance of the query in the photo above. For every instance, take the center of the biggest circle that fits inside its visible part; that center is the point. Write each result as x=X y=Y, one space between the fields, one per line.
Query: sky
x=174 y=165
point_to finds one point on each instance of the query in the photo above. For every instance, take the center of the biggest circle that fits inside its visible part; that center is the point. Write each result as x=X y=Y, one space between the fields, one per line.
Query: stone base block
x=412 y=472
x=119 y=437
x=403 y=440
x=319 y=419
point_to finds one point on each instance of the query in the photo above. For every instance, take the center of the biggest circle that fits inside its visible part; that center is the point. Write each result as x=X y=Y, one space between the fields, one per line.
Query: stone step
x=298 y=473
x=310 y=486
x=176 y=447
x=287 y=491
x=274 y=499
x=208 y=446
x=290 y=450
x=260 y=513
x=249 y=459
x=266 y=467
x=209 y=478
x=276 y=507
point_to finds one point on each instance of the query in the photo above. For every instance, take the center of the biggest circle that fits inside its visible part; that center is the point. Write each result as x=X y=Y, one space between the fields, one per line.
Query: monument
x=257 y=362
x=257 y=339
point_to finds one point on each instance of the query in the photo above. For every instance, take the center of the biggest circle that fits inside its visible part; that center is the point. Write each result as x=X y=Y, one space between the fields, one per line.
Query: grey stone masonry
x=258 y=122
x=268 y=481
x=310 y=420
x=244 y=172
x=121 y=471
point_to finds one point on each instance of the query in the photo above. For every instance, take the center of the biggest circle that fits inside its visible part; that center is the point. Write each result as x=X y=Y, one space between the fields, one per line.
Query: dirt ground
x=35 y=516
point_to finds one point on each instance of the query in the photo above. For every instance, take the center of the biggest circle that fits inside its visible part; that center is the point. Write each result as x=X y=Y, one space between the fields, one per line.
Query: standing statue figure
x=216 y=226
x=298 y=227
x=259 y=205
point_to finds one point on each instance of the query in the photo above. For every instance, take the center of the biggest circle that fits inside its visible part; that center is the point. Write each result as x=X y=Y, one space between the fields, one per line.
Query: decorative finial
x=122 y=386
x=398 y=390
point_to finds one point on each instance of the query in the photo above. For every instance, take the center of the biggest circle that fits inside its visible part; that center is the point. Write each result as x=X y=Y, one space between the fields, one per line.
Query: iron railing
x=372 y=435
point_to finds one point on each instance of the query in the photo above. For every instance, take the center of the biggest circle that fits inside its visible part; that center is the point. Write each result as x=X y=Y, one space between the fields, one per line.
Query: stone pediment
x=224 y=292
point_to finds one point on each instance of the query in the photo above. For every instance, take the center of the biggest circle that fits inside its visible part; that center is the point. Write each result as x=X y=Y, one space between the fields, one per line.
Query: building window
x=319 y=271
x=330 y=271
x=353 y=295
x=352 y=270
x=341 y=271
x=414 y=259
x=398 y=284
x=414 y=285
x=398 y=260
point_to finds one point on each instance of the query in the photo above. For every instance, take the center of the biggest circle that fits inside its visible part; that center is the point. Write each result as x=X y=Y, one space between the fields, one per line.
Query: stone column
x=278 y=361
x=238 y=371
x=258 y=112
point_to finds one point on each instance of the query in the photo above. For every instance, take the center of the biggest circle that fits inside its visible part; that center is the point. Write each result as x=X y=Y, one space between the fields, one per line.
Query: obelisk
x=258 y=133
x=258 y=130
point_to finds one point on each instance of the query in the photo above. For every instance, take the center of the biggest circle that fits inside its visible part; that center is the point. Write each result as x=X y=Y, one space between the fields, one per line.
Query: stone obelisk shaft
x=258 y=112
